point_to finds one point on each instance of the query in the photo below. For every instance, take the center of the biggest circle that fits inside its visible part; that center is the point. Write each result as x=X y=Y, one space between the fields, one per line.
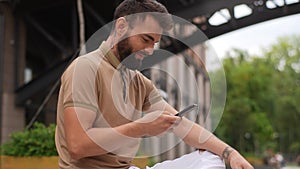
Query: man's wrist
x=137 y=129
x=132 y=129
x=227 y=152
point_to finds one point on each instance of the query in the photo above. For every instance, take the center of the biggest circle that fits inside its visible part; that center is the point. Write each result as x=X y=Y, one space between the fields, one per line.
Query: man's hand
x=236 y=161
x=156 y=123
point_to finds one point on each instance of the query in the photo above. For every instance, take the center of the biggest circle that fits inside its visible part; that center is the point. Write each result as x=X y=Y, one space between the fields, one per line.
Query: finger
x=175 y=124
x=177 y=121
x=167 y=113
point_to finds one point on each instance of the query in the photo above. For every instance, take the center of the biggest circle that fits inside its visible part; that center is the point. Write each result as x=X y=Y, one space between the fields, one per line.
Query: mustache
x=143 y=53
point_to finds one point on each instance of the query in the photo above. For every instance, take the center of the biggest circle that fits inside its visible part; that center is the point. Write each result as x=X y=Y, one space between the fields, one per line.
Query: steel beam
x=46 y=34
x=258 y=16
x=91 y=11
x=41 y=83
x=202 y=7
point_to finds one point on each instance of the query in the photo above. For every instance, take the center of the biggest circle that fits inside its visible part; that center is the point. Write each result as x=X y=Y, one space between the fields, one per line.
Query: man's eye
x=145 y=40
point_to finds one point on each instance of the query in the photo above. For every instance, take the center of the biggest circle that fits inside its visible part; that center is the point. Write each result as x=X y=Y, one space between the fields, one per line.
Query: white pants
x=194 y=160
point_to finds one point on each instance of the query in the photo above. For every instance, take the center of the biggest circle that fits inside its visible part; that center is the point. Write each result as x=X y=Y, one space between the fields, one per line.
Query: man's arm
x=201 y=138
x=197 y=136
x=83 y=140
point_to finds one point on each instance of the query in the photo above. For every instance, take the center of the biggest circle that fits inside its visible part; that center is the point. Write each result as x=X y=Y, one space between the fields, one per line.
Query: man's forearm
x=197 y=136
x=111 y=139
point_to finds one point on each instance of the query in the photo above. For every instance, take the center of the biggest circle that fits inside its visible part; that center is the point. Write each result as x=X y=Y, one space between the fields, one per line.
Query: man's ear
x=121 y=26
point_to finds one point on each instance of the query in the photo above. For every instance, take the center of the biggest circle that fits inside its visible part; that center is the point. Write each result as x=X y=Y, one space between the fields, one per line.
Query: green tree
x=262 y=98
x=246 y=83
x=285 y=57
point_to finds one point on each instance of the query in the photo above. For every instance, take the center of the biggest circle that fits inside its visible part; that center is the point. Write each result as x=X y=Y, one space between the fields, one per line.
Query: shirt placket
x=123 y=77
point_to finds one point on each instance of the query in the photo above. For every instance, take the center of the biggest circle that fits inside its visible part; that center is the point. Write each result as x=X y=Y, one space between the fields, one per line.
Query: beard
x=127 y=57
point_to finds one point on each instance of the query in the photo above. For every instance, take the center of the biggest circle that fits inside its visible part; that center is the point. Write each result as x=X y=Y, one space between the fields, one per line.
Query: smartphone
x=186 y=110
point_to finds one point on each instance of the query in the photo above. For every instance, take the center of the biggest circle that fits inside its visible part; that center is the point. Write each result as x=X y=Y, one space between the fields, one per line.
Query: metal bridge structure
x=42 y=36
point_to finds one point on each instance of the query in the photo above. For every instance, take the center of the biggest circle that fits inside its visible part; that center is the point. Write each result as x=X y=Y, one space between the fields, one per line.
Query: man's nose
x=149 y=50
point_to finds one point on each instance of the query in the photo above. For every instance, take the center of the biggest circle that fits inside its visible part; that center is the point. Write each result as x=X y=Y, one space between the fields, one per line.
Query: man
x=104 y=108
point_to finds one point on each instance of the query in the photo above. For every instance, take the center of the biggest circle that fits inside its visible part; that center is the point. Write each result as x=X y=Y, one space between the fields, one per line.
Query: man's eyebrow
x=148 y=36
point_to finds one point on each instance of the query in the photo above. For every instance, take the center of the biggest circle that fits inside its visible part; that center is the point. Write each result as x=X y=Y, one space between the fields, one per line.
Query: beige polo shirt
x=98 y=82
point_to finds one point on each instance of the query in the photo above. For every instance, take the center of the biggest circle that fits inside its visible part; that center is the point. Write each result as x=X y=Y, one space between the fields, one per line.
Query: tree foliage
x=263 y=96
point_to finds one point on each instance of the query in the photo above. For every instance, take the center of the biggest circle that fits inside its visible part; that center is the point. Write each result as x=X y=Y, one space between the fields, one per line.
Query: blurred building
x=183 y=80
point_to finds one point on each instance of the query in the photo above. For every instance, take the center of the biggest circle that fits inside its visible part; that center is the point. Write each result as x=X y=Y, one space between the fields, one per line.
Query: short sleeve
x=79 y=84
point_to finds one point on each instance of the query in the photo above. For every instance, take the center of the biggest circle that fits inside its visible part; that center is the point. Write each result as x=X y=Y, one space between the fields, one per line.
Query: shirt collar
x=109 y=56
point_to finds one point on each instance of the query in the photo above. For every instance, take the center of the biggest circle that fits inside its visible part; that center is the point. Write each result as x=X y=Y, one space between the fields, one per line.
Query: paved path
x=291 y=167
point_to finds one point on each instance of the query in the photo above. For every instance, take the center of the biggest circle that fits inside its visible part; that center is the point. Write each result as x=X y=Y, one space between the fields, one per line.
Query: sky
x=255 y=37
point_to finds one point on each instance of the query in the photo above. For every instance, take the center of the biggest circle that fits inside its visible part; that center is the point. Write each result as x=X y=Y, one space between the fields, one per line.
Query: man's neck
x=112 y=47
